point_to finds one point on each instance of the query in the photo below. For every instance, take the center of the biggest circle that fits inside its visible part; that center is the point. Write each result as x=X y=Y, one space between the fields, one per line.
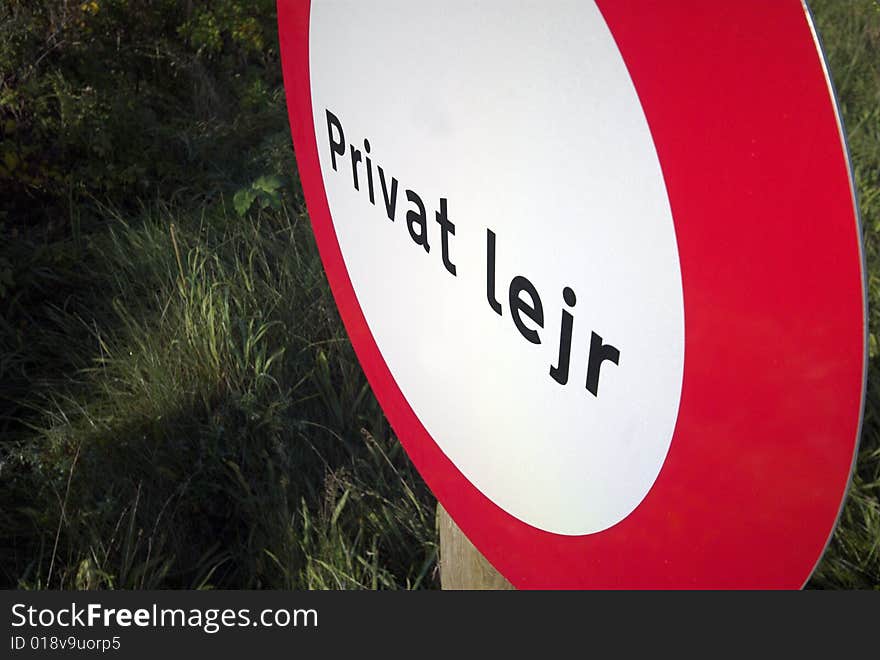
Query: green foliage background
x=179 y=405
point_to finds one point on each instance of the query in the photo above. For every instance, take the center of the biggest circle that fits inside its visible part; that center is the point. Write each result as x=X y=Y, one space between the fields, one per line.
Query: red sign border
x=716 y=517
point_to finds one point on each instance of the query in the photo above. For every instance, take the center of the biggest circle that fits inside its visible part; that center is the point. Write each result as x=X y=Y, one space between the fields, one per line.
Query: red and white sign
x=602 y=266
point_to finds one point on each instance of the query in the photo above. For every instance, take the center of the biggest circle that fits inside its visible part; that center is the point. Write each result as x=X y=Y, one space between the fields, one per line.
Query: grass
x=180 y=407
x=212 y=428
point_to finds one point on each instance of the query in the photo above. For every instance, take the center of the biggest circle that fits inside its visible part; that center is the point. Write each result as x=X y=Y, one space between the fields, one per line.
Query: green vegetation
x=850 y=33
x=179 y=405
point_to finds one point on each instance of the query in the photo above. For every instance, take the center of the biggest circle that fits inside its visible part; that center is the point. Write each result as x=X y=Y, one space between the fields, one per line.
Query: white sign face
x=540 y=344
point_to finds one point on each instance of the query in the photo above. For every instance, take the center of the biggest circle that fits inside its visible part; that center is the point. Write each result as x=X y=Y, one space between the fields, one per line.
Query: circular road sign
x=601 y=263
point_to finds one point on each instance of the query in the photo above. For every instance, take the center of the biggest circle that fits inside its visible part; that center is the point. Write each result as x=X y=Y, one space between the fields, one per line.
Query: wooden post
x=461 y=564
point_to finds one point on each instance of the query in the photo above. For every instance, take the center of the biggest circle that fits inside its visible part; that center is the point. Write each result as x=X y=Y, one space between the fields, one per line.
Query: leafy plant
x=265 y=192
